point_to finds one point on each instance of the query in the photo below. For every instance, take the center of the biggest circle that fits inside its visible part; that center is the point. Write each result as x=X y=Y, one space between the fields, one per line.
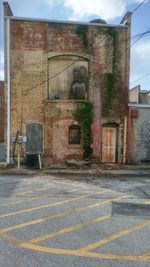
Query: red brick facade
x=43 y=55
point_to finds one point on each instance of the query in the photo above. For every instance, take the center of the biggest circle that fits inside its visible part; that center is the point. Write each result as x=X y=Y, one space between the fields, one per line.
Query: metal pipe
x=8 y=87
x=125 y=140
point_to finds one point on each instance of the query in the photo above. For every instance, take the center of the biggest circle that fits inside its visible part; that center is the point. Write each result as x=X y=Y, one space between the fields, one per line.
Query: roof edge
x=68 y=22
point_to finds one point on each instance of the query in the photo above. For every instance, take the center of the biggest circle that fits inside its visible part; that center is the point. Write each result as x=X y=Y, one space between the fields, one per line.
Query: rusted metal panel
x=108 y=144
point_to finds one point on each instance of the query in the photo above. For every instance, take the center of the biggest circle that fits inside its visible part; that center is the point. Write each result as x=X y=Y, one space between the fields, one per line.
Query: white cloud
x=143 y=49
x=106 y=9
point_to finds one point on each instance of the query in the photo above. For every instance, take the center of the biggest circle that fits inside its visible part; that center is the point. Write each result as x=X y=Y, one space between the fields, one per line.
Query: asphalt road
x=58 y=221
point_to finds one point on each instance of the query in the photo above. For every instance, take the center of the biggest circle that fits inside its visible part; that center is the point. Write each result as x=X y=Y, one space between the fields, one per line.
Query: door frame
x=114 y=126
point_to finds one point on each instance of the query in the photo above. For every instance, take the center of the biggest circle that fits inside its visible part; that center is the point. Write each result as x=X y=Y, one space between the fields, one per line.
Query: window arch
x=74 y=134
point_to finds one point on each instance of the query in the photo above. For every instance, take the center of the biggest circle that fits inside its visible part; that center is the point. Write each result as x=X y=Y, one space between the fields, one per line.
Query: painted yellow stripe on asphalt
x=67 y=252
x=18 y=202
x=61 y=214
x=51 y=204
x=27 y=200
x=70 y=229
x=24 y=193
x=108 y=239
x=28 y=192
x=147 y=253
x=147 y=201
x=73 y=190
x=83 y=253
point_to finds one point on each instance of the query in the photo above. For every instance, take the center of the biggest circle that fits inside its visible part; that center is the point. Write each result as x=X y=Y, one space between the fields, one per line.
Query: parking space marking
x=57 y=251
x=52 y=204
x=73 y=190
x=18 y=202
x=108 y=239
x=83 y=253
x=70 y=229
x=24 y=193
x=147 y=253
x=28 y=200
x=60 y=214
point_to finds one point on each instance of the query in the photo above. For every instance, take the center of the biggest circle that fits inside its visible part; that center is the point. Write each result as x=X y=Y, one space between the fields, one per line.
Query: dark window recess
x=74 y=134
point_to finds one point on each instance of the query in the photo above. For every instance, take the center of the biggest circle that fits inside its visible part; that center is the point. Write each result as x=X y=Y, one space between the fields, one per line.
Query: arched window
x=70 y=77
x=74 y=134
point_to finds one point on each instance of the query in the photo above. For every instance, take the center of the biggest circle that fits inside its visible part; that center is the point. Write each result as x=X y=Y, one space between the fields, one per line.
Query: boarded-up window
x=68 y=77
x=74 y=134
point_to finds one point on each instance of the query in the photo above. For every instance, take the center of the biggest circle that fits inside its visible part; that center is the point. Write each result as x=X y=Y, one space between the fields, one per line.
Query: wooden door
x=34 y=132
x=109 y=144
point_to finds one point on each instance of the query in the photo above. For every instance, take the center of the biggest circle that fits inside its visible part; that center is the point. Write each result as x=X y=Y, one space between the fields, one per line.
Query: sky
x=85 y=10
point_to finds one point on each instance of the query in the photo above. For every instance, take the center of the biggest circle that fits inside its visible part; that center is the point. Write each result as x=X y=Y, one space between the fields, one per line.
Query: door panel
x=34 y=133
x=109 y=144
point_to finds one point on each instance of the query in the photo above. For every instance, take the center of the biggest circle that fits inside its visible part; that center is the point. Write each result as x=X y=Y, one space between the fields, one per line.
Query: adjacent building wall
x=140 y=133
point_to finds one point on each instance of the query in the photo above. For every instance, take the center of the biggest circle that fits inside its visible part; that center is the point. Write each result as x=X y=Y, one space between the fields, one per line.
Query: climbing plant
x=110 y=80
x=84 y=115
x=82 y=32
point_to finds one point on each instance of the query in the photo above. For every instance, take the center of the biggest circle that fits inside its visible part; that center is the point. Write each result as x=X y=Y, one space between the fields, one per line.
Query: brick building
x=53 y=69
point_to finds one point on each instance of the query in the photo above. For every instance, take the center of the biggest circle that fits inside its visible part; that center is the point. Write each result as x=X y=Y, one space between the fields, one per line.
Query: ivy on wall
x=84 y=116
x=82 y=32
x=110 y=80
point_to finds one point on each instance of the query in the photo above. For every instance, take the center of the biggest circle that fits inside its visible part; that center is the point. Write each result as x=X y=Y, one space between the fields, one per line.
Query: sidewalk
x=94 y=169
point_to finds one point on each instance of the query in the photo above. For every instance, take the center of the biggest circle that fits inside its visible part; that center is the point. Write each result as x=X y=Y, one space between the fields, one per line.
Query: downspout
x=8 y=86
x=125 y=140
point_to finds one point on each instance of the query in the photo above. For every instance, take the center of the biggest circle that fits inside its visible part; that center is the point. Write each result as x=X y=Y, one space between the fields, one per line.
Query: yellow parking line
x=28 y=192
x=73 y=190
x=60 y=214
x=114 y=236
x=83 y=253
x=70 y=229
x=24 y=193
x=26 y=200
x=19 y=201
x=67 y=252
x=50 y=204
x=147 y=253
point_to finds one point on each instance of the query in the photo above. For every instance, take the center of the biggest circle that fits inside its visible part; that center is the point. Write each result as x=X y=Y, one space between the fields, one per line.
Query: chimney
x=7 y=10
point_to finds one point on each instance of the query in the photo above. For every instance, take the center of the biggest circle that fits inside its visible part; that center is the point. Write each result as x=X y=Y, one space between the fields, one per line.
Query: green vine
x=84 y=115
x=109 y=87
x=110 y=79
x=114 y=34
x=82 y=32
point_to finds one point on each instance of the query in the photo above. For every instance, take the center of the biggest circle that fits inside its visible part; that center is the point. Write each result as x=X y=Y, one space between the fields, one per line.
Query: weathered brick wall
x=32 y=43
